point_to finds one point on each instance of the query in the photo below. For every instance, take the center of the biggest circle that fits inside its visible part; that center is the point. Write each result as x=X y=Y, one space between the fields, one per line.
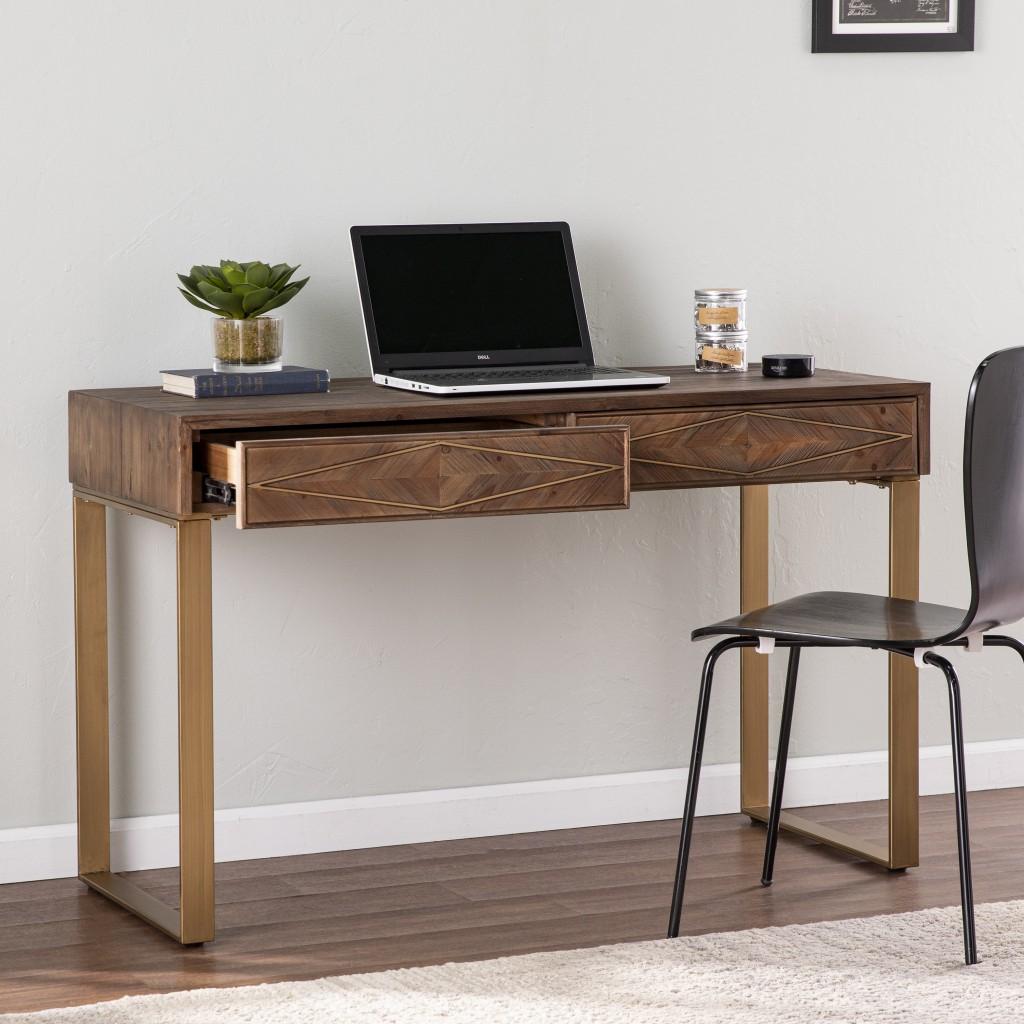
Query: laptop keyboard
x=518 y=373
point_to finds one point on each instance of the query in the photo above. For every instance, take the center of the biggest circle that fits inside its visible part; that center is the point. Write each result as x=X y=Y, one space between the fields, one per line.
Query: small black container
x=787 y=365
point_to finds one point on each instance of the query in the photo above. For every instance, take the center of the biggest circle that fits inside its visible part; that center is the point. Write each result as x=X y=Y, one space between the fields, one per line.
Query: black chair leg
x=781 y=757
x=690 y=806
x=960 y=789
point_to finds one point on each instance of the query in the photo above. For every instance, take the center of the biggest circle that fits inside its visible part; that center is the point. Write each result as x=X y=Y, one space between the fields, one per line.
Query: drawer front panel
x=417 y=476
x=716 y=447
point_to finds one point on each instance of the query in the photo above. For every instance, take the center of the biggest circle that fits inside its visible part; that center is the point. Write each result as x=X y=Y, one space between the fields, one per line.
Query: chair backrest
x=994 y=491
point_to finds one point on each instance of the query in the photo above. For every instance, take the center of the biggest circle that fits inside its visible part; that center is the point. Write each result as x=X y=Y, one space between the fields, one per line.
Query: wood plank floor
x=292 y=918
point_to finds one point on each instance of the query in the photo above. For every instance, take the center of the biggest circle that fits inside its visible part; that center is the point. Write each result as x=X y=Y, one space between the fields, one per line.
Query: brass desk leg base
x=194 y=921
x=837 y=838
x=904 y=529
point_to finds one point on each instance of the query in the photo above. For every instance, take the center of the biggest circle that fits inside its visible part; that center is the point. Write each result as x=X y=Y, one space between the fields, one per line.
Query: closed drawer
x=422 y=474
x=716 y=447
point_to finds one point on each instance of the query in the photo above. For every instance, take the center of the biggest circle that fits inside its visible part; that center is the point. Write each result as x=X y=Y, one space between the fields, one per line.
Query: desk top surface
x=354 y=400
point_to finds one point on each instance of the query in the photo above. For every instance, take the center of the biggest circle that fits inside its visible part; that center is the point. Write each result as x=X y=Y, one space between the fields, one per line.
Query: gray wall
x=870 y=203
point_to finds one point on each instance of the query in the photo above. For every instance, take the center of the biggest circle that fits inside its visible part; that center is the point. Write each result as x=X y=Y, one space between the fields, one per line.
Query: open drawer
x=427 y=473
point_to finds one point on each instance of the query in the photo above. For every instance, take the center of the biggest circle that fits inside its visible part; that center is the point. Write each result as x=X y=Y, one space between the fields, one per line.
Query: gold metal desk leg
x=193 y=920
x=754 y=537
x=92 y=717
x=902 y=848
x=904 y=568
x=195 y=730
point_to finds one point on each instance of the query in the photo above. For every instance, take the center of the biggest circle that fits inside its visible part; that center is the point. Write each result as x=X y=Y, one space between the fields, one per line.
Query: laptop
x=469 y=308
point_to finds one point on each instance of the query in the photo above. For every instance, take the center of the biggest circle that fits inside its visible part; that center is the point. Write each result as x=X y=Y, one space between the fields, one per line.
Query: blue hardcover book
x=207 y=383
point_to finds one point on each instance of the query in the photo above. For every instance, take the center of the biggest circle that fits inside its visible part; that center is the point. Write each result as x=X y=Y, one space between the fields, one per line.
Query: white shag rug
x=904 y=968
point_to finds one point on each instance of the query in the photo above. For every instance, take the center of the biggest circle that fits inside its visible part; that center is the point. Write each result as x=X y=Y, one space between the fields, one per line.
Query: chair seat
x=859 y=619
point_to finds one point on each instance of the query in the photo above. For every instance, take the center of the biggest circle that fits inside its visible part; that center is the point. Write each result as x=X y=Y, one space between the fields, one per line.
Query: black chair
x=994 y=508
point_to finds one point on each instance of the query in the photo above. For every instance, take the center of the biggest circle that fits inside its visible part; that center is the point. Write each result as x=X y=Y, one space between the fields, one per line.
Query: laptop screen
x=487 y=294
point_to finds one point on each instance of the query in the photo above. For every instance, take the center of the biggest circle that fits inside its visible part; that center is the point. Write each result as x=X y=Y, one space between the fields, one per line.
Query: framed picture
x=892 y=26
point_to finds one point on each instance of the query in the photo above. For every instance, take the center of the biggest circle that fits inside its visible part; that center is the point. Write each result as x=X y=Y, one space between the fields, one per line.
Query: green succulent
x=240 y=291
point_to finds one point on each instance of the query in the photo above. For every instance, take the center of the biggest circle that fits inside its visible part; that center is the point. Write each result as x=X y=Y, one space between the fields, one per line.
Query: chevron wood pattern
x=771 y=444
x=413 y=476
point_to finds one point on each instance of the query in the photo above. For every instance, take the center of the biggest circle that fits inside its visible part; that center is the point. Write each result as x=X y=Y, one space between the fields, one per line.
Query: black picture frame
x=824 y=40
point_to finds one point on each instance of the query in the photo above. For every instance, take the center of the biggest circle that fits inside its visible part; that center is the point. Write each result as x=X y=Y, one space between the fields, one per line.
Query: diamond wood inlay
x=749 y=444
x=438 y=476
x=540 y=469
x=862 y=439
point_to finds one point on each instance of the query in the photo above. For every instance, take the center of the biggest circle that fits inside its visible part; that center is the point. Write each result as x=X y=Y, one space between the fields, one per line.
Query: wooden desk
x=363 y=453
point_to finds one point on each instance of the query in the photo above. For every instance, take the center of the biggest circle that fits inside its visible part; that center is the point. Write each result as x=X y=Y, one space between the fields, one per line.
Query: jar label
x=718 y=315
x=718 y=354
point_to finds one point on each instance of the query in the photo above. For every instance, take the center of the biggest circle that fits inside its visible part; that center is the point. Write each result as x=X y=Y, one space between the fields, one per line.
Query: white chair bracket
x=919 y=653
x=766 y=645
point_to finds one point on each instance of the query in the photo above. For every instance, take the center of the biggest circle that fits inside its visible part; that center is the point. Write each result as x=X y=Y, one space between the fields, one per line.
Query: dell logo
x=483 y=357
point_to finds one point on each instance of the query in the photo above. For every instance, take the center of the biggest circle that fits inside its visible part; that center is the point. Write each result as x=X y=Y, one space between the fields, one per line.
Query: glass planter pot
x=247 y=346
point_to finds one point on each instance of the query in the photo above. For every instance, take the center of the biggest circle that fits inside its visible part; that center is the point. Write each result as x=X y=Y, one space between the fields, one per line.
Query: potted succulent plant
x=245 y=339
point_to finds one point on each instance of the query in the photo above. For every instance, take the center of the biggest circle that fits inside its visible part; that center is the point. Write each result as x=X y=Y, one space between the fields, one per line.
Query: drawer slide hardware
x=218 y=491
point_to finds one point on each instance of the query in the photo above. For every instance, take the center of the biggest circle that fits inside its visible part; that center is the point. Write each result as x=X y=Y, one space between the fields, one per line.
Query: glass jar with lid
x=720 y=309
x=721 y=351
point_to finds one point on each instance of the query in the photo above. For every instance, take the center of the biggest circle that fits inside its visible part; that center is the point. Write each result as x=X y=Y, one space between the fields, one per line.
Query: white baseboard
x=48 y=851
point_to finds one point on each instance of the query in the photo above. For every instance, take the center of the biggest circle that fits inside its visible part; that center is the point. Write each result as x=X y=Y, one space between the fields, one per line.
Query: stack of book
x=207 y=383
